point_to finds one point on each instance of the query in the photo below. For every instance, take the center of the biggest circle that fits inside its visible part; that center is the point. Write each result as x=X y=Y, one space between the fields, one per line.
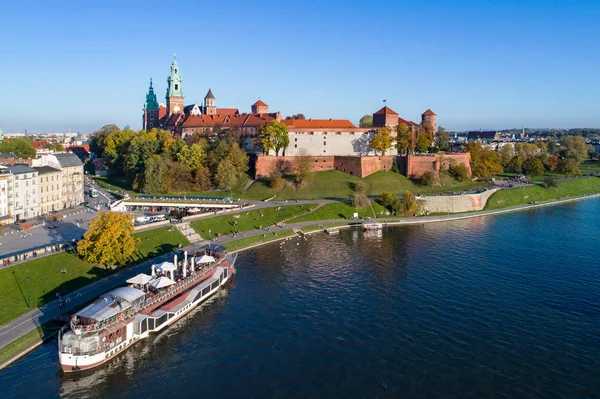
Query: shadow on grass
x=20 y=289
x=69 y=286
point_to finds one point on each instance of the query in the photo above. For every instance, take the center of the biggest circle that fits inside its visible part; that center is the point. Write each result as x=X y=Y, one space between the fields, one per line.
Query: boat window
x=205 y=291
x=151 y=324
x=144 y=326
x=214 y=285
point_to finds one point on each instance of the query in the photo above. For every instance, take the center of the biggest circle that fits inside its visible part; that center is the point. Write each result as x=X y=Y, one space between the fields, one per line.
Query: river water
x=501 y=306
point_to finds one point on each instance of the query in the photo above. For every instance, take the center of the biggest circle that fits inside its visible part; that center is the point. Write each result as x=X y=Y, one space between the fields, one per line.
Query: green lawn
x=244 y=221
x=28 y=340
x=520 y=196
x=338 y=210
x=262 y=238
x=45 y=278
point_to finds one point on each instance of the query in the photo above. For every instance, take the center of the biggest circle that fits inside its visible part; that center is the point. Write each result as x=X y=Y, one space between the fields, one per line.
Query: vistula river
x=491 y=307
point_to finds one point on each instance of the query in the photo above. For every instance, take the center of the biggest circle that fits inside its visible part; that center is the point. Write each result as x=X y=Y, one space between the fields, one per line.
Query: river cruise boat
x=149 y=303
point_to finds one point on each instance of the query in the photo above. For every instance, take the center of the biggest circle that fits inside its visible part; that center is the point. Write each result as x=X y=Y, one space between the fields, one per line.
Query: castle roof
x=319 y=123
x=407 y=123
x=429 y=112
x=227 y=120
x=386 y=111
x=260 y=103
x=225 y=111
x=162 y=111
x=209 y=94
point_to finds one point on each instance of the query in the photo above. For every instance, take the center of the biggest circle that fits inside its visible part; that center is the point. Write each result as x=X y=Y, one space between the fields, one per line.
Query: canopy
x=166 y=267
x=161 y=282
x=140 y=279
x=204 y=259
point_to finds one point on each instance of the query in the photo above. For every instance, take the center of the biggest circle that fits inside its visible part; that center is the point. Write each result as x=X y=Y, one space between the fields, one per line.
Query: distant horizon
x=492 y=66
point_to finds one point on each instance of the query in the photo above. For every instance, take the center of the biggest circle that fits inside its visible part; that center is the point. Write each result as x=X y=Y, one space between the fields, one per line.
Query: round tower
x=429 y=118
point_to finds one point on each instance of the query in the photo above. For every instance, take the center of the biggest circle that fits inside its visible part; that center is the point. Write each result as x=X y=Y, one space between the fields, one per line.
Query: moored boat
x=150 y=303
x=372 y=226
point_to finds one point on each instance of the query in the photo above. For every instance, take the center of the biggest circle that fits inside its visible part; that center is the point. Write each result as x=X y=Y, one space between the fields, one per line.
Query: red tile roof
x=386 y=111
x=225 y=111
x=429 y=112
x=227 y=120
x=38 y=144
x=162 y=111
x=407 y=123
x=259 y=103
x=319 y=123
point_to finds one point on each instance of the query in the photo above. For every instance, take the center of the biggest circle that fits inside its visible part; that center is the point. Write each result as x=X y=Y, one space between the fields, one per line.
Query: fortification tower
x=150 y=117
x=174 y=91
x=386 y=117
x=429 y=118
x=260 y=107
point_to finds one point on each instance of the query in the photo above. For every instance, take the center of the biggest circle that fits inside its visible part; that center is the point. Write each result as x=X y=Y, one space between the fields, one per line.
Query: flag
x=384 y=101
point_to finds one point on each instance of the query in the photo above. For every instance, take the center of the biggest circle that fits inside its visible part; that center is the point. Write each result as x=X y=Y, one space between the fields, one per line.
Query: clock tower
x=174 y=91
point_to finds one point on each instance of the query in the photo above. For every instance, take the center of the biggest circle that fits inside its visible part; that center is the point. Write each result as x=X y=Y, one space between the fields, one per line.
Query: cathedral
x=184 y=120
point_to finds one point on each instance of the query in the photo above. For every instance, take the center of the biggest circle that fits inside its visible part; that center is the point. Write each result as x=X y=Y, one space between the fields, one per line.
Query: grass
x=28 y=340
x=45 y=278
x=244 y=221
x=259 y=239
x=525 y=195
x=338 y=210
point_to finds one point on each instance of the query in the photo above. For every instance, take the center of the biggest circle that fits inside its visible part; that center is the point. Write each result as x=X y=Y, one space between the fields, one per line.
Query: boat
x=372 y=226
x=331 y=231
x=149 y=303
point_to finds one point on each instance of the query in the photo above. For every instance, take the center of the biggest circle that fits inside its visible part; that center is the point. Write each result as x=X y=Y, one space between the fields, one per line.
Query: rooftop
x=44 y=170
x=386 y=111
x=68 y=159
x=20 y=169
x=319 y=123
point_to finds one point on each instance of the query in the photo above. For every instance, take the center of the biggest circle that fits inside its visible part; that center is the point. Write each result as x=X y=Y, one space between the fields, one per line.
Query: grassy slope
x=264 y=238
x=45 y=278
x=338 y=210
x=250 y=220
x=520 y=196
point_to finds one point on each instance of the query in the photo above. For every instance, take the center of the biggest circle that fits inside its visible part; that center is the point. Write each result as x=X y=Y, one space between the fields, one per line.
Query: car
x=20 y=221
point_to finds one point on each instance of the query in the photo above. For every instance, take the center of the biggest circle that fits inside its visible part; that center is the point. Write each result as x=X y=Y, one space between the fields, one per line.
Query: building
x=6 y=195
x=26 y=192
x=483 y=136
x=71 y=179
x=50 y=180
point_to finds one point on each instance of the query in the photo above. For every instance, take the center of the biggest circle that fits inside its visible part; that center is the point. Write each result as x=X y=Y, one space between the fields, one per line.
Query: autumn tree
x=20 y=147
x=180 y=178
x=239 y=159
x=428 y=179
x=403 y=138
x=366 y=121
x=568 y=166
x=484 y=162
x=533 y=167
x=202 y=178
x=408 y=204
x=192 y=156
x=459 y=171
x=108 y=240
x=442 y=140
x=304 y=167
x=574 y=147
x=552 y=163
x=156 y=175
x=382 y=140
x=506 y=153
x=226 y=175
x=274 y=136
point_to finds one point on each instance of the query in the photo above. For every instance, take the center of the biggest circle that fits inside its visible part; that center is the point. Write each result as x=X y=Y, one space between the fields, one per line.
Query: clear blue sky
x=477 y=64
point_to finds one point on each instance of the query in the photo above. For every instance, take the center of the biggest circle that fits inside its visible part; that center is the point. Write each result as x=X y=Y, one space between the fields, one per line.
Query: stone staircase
x=189 y=233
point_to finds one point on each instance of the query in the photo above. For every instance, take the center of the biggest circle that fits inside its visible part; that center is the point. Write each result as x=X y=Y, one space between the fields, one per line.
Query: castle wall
x=415 y=166
x=456 y=203
x=265 y=165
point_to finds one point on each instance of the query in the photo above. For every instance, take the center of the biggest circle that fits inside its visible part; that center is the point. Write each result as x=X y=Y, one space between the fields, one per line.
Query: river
x=500 y=306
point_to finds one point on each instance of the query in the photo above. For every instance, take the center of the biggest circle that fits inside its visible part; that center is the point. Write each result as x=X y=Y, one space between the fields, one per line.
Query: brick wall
x=414 y=167
x=265 y=164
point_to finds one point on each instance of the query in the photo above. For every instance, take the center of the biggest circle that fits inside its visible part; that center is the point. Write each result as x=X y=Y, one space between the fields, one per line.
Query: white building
x=25 y=190
x=6 y=194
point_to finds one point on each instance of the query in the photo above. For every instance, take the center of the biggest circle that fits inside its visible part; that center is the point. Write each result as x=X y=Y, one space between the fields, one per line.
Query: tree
x=459 y=172
x=408 y=204
x=568 y=166
x=366 y=121
x=296 y=116
x=442 y=141
x=220 y=152
x=156 y=175
x=552 y=163
x=192 y=156
x=550 y=181
x=484 y=162
x=226 y=175
x=20 y=147
x=428 y=179
x=55 y=146
x=202 y=178
x=360 y=200
x=304 y=166
x=108 y=240
x=386 y=199
x=180 y=178
x=516 y=164
x=574 y=147
x=423 y=142
x=98 y=139
x=533 y=167
x=274 y=136
x=238 y=158
x=403 y=138
x=506 y=153
x=382 y=140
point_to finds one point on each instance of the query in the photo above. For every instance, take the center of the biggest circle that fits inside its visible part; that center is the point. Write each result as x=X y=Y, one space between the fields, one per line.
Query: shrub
x=386 y=199
x=428 y=179
x=550 y=181
x=459 y=172
x=360 y=200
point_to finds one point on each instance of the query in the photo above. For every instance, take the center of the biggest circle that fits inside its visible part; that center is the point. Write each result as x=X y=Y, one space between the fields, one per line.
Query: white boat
x=125 y=315
x=372 y=226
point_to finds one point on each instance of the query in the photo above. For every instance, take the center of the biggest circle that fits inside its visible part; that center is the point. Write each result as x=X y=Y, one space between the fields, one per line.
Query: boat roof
x=111 y=303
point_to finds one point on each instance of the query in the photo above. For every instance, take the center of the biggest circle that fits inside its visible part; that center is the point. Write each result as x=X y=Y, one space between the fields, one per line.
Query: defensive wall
x=456 y=203
x=415 y=166
x=412 y=166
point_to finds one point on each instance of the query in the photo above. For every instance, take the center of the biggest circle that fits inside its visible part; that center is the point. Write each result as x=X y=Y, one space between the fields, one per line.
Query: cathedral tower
x=174 y=91
x=209 y=103
x=150 y=117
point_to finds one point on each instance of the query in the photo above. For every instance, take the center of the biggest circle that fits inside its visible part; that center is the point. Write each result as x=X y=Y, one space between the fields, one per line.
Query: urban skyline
x=496 y=66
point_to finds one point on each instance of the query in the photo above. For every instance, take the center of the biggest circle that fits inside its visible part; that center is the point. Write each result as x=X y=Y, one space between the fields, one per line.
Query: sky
x=76 y=66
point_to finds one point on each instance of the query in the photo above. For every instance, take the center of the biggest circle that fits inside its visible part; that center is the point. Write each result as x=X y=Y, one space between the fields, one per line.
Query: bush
x=360 y=200
x=428 y=179
x=550 y=181
x=459 y=172
x=359 y=187
x=386 y=199
x=395 y=167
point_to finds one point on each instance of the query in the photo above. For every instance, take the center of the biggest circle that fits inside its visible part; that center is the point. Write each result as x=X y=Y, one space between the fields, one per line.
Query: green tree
x=507 y=152
x=175 y=149
x=403 y=138
x=516 y=164
x=217 y=154
x=442 y=140
x=428 y=179
x=575 y=147
x=20 y=147
x=239 y=159
x=366 y=121
x=192 y=156
x=568 y=166
x=382 y=140
x=226 y=175
x=274 y=136
x=408 y=204
x=387 y=199
x=108 y=240
x=533 y=167
x=459 y=171
x=99 y=137
x=550 y=181
x=55 y=146
x=423 y=143
x=180 y=178
x=156 y=175
x=484 y=162
x=304 y=167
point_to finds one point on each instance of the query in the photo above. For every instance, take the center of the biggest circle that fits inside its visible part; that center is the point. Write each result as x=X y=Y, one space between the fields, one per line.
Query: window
x=295 y=145
x=176 y=86
x=324 y=143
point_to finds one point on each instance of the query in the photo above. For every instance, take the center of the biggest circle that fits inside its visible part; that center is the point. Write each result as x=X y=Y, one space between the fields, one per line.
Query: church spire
x=151 y=102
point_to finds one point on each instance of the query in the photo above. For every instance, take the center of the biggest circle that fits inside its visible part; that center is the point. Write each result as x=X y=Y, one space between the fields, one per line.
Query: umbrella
x=161 y=282
x=140 y=279
x=205 y=259
x=166 y=267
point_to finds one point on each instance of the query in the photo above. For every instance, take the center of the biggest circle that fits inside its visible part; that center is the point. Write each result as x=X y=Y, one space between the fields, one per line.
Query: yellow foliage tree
x=382 y=140
x=108 y=240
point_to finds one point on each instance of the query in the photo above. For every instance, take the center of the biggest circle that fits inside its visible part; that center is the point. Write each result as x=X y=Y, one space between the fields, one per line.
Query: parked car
x=20 y=221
